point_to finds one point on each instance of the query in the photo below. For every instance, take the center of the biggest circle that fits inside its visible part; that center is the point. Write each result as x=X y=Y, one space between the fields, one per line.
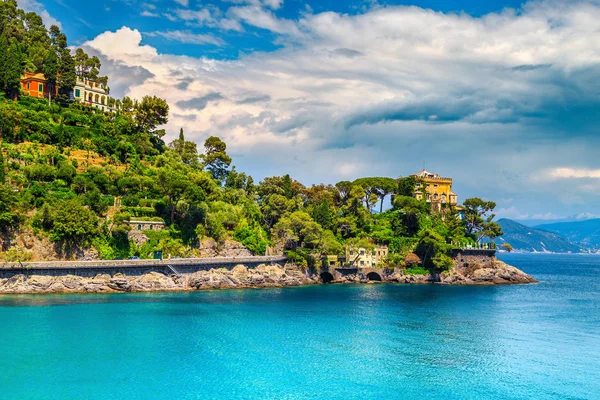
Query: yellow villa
x=436 y=189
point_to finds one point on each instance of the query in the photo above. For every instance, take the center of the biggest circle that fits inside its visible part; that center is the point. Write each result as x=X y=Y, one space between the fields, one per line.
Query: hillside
x=525 y=238
x=585 y=233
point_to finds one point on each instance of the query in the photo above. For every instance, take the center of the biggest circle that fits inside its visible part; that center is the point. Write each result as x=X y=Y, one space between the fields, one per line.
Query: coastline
x=242 y=277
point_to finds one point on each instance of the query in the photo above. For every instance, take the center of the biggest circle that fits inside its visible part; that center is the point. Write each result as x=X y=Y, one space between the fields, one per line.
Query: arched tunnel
x=326 y=277
x=374 y=276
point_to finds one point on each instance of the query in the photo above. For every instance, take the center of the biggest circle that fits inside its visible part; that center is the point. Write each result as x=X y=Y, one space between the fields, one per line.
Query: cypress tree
x=13 y=70
x=50 y=71
x=66 y=67
x=2 y=168
x=3 y=51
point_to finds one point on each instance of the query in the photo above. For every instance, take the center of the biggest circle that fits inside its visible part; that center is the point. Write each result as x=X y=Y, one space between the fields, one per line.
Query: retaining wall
x=131 y=267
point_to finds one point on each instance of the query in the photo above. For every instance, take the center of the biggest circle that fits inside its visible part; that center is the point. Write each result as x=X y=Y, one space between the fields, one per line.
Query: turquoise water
x=353 y=342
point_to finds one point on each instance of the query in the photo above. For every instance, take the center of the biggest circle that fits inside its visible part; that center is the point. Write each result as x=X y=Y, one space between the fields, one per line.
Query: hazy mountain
x=525 y=238
x=586 y=233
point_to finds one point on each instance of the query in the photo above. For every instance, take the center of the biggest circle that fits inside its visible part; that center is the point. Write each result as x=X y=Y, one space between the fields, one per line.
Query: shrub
x=16 y=254
x=443 y=261
x=411 y=260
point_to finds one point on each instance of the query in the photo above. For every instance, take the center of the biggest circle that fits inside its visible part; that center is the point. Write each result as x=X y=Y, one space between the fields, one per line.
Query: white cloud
x=565 y=172
x=265 y=19
x=188 y=37
x=147 y=13
x=482 y=100
x=184 y=3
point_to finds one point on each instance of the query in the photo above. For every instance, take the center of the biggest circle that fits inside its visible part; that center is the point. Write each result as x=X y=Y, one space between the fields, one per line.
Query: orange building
x=36 y=85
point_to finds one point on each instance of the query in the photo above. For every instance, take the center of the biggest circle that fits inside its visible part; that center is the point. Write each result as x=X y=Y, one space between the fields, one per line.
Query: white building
x=93 y=94
x=366 y=258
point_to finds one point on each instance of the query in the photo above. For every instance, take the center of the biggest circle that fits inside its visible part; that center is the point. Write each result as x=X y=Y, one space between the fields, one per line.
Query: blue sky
x=503 y=96
x=84 y=20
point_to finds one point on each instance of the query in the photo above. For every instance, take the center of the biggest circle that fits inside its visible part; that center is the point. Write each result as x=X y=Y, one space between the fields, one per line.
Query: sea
x=372 y=341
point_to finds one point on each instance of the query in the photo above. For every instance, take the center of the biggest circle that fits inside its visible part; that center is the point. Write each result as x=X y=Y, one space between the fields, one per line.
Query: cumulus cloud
x=494 y=101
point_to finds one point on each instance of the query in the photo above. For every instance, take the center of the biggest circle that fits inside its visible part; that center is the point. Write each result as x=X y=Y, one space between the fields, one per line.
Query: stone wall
x=131 y=267
x=465 y=258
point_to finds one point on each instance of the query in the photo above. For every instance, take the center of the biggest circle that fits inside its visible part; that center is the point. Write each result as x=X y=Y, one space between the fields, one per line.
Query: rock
x=241 y=277
x=230 y=248
x=119 y=283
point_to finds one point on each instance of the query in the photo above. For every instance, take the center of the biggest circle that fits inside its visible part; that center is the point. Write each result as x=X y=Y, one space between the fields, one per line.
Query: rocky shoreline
x=263 y=276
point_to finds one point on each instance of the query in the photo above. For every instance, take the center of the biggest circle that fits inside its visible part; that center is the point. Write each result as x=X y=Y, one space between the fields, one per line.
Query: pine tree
x=13 y=70
x=66 y=68
x=2 y=168
x=50 y=71
x=3 y=51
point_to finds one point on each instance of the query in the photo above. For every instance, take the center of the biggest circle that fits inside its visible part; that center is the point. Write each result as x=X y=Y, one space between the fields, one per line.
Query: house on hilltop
x=85 y=91
x=436 y=190
x=36 y=85
x=93 y=94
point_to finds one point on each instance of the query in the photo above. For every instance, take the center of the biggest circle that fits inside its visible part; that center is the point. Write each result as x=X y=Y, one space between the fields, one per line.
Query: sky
x=502 y=96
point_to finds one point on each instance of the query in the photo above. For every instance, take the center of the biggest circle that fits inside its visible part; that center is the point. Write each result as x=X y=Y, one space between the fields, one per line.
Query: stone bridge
x=132 y=267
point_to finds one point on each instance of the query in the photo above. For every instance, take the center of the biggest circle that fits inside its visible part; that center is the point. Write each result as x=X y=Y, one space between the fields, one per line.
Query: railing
x=477 y=246
x=180 y=262
x=172 y=268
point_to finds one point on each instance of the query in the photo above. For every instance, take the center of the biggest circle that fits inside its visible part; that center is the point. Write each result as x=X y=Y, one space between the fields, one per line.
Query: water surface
x=354 y=342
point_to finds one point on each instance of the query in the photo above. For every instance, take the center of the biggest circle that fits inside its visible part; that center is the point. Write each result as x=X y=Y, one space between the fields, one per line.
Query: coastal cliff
x=240 y=277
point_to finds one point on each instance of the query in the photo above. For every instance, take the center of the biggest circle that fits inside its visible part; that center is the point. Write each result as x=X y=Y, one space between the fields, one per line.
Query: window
x=40 y=87
x=418 y=185
x=77 y=93
x=362 y=252
x=435 y=186
x=435 y=196
x=139 y=227
x=28 y=85
x=150 y=227
x=362 y=263
x=351 y=253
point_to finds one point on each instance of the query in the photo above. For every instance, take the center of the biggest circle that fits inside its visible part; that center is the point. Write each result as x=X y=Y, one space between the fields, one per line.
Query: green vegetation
x=76 y=176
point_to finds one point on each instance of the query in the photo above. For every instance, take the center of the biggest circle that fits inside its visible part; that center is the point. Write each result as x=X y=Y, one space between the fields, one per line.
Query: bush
x=443 y=262
x=411 y=260
x=253 y=240
x=16 y=254
x=417 y=271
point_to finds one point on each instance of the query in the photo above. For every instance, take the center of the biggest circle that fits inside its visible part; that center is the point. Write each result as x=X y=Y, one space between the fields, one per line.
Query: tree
x=66 y=68
x=72 y=223
x=384 y=186
x=507 y=247
x=429 y=244
x=8 y=218
x=85 y=66
x=2 y=166
x=479 y=219
x=3 y=54
x=51 y=71
x=172 y=181
x=186 y=150
x=407 y=186
x=151 y=112
x=12 y=70
x=215 y=158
